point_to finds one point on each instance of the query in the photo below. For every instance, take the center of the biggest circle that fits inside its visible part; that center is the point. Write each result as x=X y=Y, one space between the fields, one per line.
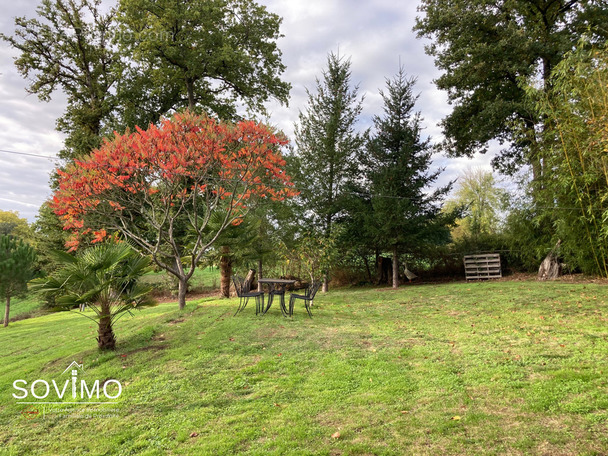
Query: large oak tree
x=132 y=64
x=483 y=49
x=212 y=55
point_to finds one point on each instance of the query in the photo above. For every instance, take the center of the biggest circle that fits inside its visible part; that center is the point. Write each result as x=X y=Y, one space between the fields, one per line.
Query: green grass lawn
x=24 y=307
x=203 y=280
x=479 y=368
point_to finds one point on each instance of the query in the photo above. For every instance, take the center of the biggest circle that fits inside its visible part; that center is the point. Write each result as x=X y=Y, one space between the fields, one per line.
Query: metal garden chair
x=244 y=293
x=307 y=297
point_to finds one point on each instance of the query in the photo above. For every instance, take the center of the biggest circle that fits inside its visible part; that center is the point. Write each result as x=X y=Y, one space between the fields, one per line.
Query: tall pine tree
x=397 y=173
x=327 y=146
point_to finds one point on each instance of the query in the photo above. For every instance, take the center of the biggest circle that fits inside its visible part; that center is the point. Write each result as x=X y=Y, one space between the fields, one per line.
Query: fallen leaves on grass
x=335 y=435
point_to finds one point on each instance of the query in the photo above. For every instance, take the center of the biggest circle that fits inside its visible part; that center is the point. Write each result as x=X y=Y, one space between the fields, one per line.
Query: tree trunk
x=379 y=269
x=181 y=292
x=7 y=310
x=395 y=268
x=249 y=279
x=383 y=269
x=190 y=90
x=259 y=275
x=105 y=338
x=225 y=271
x=369 y=272
x=550 y=268
x=325 y=287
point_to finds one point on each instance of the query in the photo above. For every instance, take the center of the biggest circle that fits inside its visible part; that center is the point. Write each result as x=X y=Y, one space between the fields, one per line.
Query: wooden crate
x=482 y=266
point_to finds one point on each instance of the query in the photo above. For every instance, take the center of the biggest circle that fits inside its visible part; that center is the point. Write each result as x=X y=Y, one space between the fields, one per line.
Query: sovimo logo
x=56 y=391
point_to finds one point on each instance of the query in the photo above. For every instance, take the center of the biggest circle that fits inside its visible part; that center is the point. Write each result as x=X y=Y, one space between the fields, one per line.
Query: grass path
x=480 y=368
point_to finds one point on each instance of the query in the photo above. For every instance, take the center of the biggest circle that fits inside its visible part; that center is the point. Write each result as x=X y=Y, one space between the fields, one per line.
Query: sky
x=376 y=35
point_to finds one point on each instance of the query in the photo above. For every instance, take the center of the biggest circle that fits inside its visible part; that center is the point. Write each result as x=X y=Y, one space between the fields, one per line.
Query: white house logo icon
x=75 y=368
x=82 y=392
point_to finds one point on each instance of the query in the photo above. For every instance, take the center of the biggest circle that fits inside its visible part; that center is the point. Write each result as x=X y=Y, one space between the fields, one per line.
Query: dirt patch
x=26 y=315
x=566 y=278
x=176 y=321
x=513 y=277
x=163 y=298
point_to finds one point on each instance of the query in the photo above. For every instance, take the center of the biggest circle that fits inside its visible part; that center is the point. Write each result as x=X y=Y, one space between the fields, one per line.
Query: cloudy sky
x=375 y=34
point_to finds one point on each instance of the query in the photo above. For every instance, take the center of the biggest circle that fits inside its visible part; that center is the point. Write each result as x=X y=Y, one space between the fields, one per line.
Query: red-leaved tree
x=172 y=189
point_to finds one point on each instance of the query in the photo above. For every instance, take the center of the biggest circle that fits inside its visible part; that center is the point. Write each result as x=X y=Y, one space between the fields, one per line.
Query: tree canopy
x=207 y=55
x=482 y=201
x=11 y=223
x=146 y=59
x=161 y=187
x=16 y=268
x=484 y=49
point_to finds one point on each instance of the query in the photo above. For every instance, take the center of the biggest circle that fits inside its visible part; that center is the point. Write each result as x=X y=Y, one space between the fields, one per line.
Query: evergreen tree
x=327 y=146
x=48 y=236
x=397 y=176
x=16 y=268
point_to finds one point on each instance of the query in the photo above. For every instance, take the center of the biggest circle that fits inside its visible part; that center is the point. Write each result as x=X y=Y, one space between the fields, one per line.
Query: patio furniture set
x=276 y=287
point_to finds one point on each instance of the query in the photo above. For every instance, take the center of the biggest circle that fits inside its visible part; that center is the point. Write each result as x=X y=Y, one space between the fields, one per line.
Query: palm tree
x=104 y=279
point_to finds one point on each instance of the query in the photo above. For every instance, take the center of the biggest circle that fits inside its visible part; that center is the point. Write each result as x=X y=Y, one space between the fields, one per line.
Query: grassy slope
x=23 y=307
x=203 y=280
x=522 y=364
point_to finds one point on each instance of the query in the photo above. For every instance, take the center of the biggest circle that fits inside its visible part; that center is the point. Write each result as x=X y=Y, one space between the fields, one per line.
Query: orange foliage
x=184 y=158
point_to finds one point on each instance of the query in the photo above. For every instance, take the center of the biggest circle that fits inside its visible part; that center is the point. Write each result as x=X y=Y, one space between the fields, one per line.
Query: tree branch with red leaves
x=173 y=188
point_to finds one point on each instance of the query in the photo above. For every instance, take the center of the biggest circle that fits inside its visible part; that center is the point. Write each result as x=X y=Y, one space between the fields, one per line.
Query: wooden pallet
x=482 y=266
